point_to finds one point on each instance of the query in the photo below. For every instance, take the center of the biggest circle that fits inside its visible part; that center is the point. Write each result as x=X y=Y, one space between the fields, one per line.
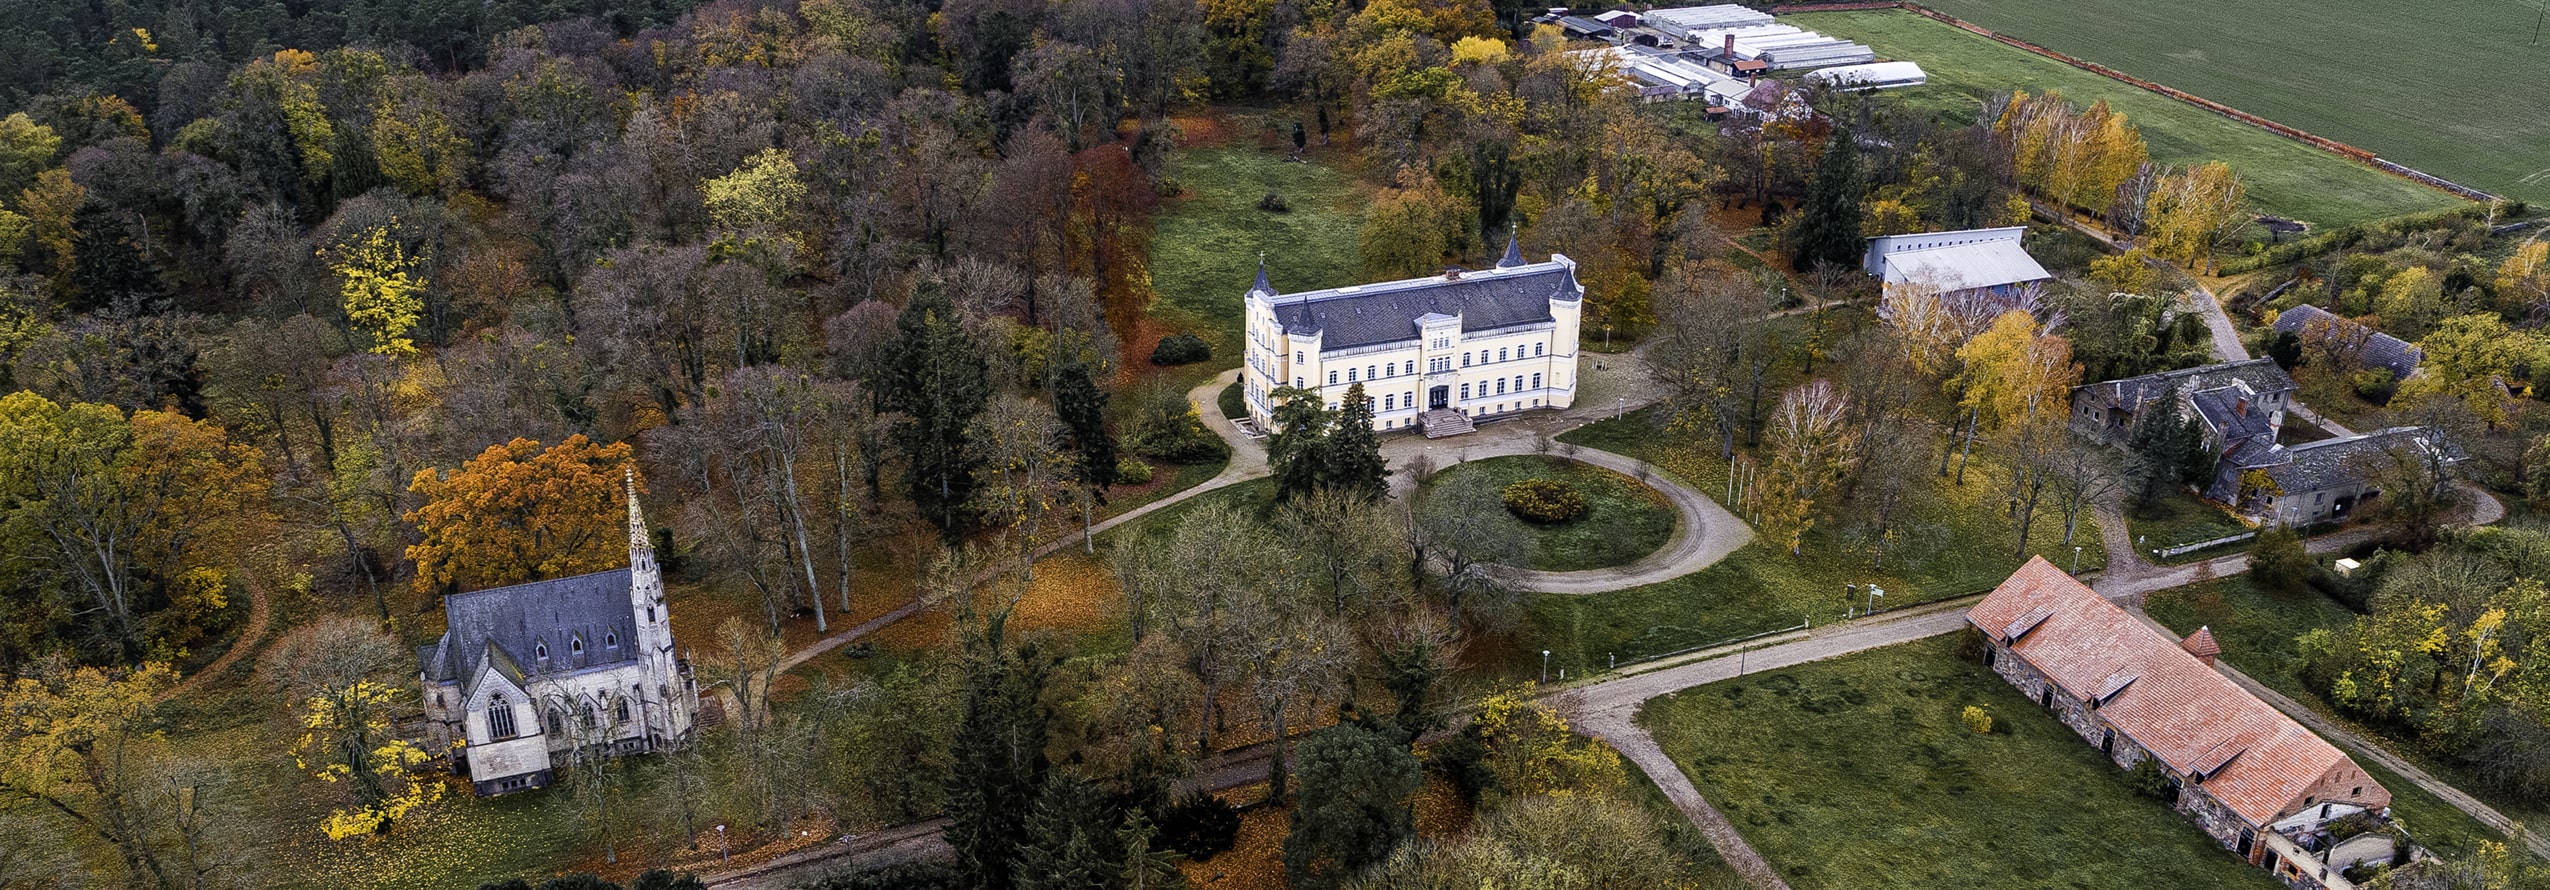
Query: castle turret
x=667 y=694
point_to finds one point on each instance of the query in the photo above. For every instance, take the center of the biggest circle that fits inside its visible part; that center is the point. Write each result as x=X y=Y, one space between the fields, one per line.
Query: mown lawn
x=1857 y=773
x=2286 y=178
x=2473 y=110
x=1624 y=519
x=2256 y=629
x=2178 y=518
x=1206 y=241
x=1955 y=544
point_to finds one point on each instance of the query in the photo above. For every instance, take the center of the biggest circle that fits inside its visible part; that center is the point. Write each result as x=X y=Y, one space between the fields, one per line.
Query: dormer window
x=540 y=651
x=610 y=641
x=576 y=645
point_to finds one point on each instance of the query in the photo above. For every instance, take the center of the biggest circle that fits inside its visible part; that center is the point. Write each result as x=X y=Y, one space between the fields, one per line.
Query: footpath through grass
x=2454 y=89
x=2256 y=629
x=1954 y=541
x=2286 y=178
x=2178 y=518
x=1624 y=519
x=1206 y=241
x=1857 y=773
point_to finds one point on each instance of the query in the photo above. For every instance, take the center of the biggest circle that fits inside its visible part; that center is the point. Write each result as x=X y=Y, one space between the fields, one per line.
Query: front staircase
x=1442 y=422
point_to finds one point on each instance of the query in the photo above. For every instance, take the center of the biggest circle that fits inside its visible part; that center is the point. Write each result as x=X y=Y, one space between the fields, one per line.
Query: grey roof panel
x=517 y=620
x=2129 y=394
x=2222 y=410
x=1386 y=313
x=2372 y=348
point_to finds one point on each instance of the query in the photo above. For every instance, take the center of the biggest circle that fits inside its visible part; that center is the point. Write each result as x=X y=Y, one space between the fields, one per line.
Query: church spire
x=639 y=540
x=1513 y=249
x=1261 y=287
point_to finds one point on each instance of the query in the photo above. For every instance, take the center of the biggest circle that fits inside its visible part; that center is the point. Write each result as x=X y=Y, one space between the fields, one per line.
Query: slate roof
x=2329 y=463
x=2372 y=348
x=2262 y=375
x=509 y=624
x=2222 y=410
x=2255 y=760
x=1486 y=299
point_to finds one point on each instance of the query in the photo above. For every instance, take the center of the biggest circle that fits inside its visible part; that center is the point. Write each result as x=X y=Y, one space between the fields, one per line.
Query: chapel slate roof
x=2261 y=374
x=2258 y=762
x=511 y=623
x=1373 y=314
x=2372 y=348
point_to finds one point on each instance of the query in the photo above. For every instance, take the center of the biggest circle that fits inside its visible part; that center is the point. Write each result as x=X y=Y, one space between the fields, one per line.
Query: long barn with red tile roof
x=2249 y=775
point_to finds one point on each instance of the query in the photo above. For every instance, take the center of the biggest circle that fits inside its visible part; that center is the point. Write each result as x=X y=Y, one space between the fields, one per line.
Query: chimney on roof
x=2201 y=644
x=1730 y=48
x=2240 y=406
x=1451 y=273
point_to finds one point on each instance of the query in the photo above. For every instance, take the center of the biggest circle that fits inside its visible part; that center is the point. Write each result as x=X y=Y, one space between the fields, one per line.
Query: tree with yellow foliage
x=2192 y=209
x=519 y=512
x=1410 y=228
x=2471 y=358
x=2523 y=282
x=83 y=743
x=342 y=678
x=1531 y=752
x=382 y=290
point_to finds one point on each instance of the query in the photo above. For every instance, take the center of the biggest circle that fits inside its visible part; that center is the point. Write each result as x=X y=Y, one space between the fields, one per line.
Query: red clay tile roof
x=2254 y=759
x=2201 y=643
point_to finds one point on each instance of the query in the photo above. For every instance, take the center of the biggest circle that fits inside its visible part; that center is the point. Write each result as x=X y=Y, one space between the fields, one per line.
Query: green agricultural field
x=1206 y=241
x=2460 y=90
x=1955 y=542
x=2286 y=178
x=1858 y=773
x=1623 y=521
x=2256 y=629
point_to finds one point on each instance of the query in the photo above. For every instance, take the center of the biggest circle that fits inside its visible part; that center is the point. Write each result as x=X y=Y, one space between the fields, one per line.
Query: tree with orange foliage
x=1112 y=200
x=519 y=512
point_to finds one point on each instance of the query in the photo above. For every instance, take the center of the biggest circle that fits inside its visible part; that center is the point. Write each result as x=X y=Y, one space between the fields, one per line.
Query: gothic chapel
x=528 y=675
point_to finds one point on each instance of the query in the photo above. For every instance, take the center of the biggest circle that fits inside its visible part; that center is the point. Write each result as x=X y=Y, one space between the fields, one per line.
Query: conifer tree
x=937 y=379
x=1352 y=805
x=999 y=762
x=1827 y=227
x=1350 y=459
x=1083 y=411
x=1298 y=447
x=1071 y=839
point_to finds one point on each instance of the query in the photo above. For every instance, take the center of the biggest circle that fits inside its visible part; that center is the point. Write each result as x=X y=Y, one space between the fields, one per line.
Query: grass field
x=1857 y=773
x=1964 y=546
x=1206 y=241
x=2286 y=178
x=1623 y=521
x=2455 y=89
x=2179 y=518
x=2256 y=629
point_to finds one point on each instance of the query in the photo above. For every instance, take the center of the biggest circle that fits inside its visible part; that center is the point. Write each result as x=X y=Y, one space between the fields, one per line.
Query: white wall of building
x=1481 y=373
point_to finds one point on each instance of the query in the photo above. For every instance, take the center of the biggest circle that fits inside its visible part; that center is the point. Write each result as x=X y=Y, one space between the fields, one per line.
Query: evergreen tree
x=936 y=378
x=1352 y=806
x=1350 y=459
x=999 y=762
x=106 y=267
x=1083 y=410
x=1298 y=447
x=1826 y=230
x=1071 y=839
x=2166 y=450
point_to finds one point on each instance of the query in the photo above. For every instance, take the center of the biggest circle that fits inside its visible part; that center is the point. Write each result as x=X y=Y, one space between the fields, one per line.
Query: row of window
x=500 y=717
x=1433 y=366
x=575 y=645
x=1498 y=408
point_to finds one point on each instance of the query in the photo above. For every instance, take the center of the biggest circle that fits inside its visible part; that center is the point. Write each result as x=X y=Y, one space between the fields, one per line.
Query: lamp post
x=2076 y=559
x=1619 y=407
x=721 y=842
x=1544 y=665
x=1875 y=593
x=1849 y=592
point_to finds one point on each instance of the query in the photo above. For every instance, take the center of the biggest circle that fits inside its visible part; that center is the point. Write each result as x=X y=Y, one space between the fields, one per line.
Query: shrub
x=1233 y=404
x=1166 y=428
x=2279 y=563
x=2149 y=781
x=1132 y=471
x=1543 y=501
x=1181 y=349
x=1200 y=825
x=1977 y=719
x=2375 y=385
x=1274 y=203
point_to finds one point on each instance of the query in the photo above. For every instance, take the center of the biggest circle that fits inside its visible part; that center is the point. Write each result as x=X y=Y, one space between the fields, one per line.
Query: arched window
x=540 y=651
x=588 y=715
x=576 y=645
x=500 y=718
x=620 y=711
x=557 y=722
x=610 y=641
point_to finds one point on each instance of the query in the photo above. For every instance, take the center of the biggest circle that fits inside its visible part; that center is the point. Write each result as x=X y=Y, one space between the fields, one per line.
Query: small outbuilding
x=1972 y=259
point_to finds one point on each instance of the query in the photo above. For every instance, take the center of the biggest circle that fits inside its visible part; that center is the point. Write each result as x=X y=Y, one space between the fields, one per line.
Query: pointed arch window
x=610 y=641
x=620 y=710
x=575 y=645
x=540 y=651
x=557 y=722
x=500 y=718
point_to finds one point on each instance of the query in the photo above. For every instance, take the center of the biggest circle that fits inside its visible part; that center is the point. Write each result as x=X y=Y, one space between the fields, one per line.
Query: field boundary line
x=2297 y=134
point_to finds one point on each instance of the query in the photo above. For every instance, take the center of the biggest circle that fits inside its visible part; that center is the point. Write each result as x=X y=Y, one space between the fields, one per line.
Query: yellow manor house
x=1436 y=352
